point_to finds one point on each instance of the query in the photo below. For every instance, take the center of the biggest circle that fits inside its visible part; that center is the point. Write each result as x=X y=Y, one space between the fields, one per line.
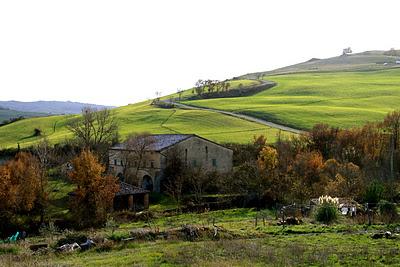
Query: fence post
x=369 y=214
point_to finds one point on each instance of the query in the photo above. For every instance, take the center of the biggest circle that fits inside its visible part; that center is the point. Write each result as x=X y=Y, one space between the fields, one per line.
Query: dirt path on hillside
x=240 y=116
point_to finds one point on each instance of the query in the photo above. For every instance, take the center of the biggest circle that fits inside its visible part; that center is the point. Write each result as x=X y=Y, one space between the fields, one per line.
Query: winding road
x=240 y=116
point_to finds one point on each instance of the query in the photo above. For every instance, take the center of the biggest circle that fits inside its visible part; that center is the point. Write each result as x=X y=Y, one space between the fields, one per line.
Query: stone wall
x=196 y=152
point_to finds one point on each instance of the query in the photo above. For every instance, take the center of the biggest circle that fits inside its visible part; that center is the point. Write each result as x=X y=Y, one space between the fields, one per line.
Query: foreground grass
x=344 y=99
x=267 y=244
x=326 y=249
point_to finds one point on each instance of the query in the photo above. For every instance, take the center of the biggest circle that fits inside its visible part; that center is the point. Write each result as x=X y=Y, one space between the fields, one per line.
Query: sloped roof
x=160 y=141
x=128 y=189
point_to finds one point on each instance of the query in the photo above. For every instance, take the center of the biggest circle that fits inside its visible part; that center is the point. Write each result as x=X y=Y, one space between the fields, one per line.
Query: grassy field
x=240 y=243
x=294 y=250
x=343 y=99
x=143 y=117
x=365 y=61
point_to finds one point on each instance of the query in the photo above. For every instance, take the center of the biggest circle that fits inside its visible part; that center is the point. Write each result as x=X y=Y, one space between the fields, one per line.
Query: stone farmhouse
x=193 y=150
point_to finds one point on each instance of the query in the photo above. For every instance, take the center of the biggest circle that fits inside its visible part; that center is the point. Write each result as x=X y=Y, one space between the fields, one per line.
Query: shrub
x=374 y=193
x=118 y=236
x=37 y=132
x=388 y=211
x=327 y=210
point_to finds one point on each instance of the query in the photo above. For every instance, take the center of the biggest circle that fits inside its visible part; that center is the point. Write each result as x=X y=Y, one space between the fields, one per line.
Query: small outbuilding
x=130 y=197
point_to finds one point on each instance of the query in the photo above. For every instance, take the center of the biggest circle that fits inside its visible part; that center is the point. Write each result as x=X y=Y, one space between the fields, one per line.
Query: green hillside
x=365 y=61
x=300 y=100
x=144 y=117
x=342 y=99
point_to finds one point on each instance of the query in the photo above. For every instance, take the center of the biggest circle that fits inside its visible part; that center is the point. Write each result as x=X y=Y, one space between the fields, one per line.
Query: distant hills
x=48 y=107
x=7 y=114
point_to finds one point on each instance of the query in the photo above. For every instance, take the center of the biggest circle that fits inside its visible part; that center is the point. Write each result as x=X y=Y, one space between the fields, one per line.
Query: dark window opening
x=214 y=162
x=147 y=183
x=121 y=177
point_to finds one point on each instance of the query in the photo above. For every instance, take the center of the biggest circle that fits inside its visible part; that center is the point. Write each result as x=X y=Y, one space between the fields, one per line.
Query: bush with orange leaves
x=20 y=189
x=95 y=191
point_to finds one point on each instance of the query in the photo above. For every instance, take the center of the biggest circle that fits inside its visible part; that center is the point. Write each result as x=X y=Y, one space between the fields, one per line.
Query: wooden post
x=146 y=201
x=369 y=215
x=130 y=202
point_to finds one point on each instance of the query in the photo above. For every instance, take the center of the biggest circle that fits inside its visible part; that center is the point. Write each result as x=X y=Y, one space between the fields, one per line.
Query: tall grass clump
x=327 y=209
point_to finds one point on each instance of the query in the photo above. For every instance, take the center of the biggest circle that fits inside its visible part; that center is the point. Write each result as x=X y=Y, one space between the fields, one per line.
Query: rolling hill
x=344 y=91
x=365 y=61
x=143 y=117
x=300 y=100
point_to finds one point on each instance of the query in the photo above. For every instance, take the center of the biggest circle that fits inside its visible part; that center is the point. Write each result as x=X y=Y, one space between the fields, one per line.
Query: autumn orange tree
x=20 y=188
x=95 y=191
x=306 y=176
x=267 y=164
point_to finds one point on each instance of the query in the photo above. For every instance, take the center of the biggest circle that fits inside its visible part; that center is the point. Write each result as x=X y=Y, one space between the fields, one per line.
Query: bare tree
x=197 y=179
x=391 y=126
x=347 y=51
x=175 y=176
x=180 y=92
x=133 y=155
x=44 y=153
x=95 y=129
x=157 y=99
x=199 y=87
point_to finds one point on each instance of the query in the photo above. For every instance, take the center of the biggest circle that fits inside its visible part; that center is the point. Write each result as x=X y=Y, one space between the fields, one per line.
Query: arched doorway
x=147 y=183
x=121 y=177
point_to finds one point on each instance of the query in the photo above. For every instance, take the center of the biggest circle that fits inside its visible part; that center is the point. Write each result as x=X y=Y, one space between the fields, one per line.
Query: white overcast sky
x=120 y=52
